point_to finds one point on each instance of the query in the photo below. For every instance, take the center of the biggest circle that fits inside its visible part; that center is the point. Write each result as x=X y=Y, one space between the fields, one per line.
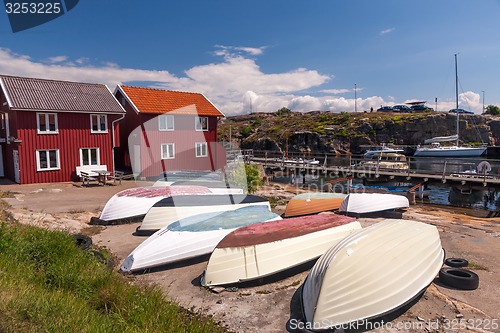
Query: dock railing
x=462 y=170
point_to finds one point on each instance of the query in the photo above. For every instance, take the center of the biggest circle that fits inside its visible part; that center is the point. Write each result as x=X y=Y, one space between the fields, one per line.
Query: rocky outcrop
x=326 y=132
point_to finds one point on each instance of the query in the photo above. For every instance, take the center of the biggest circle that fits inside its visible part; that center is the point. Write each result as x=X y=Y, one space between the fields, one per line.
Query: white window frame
x=98 y=155
x=198 y=121
x=98 y=123
x=46 y=151
x=203 y=148
x=46 y=115
x=173 y=151
x=166 y=117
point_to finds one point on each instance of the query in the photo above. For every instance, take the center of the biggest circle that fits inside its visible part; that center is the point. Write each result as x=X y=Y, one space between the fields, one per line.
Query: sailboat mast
x=456 y=99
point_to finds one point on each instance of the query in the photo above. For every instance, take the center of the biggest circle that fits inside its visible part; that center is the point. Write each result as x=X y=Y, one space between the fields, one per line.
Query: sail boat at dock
x=433 y=146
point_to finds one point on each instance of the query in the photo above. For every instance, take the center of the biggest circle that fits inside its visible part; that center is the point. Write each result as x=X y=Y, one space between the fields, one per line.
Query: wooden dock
x=461 y=173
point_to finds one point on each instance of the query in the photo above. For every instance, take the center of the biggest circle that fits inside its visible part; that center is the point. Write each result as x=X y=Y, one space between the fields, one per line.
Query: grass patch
x=48 y=284
x=7 y=194
x=92 y=230
x=478 y=266
x=293 y=284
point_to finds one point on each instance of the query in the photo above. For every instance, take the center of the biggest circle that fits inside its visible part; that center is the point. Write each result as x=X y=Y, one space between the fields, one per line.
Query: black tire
x=139 y=232
x=459 y=278
x=456 y=262
x=83 y=241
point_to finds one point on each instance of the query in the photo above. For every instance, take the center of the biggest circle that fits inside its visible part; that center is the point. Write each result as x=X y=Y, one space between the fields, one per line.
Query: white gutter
x=6 y=93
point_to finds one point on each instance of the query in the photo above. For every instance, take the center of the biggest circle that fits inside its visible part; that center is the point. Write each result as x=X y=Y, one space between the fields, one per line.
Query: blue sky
x=267 y=54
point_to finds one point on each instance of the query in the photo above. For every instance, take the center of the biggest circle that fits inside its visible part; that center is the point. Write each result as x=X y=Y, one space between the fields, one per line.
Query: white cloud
x=57 y=59
x=21 y=65
x=386 y=31
x=231 y=51
x=336 y=91
x=235 y=84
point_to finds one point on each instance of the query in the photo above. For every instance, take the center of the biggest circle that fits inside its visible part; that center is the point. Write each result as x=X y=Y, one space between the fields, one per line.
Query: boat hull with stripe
x=171 y=209
x=371 y=273
x=362 y=203
x=193 y=236
x=312 y=203
x=135 y=202
x=260 y=250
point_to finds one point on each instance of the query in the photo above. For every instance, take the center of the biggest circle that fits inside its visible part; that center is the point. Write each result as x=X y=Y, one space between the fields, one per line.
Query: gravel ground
x=272 y=304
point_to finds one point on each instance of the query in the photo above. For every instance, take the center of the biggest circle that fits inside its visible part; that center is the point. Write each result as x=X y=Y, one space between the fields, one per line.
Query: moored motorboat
x=371 y=273
x=313 y=202
x=174 y=208
x=192 y=236
x=386 y=160
x=362 y=203
x=382 y=149
x=135 y=202
x=263 y=249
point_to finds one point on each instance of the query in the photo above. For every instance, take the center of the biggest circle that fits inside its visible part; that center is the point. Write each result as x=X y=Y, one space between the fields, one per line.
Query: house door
x=136 y=160
x=17 y=177
x=1 y=162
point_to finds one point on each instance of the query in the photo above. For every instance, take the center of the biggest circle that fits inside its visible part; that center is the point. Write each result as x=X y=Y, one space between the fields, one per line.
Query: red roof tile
x=157 y=101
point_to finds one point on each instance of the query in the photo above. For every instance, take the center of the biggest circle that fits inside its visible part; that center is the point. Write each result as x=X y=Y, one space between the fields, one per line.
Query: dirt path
x=269 y=304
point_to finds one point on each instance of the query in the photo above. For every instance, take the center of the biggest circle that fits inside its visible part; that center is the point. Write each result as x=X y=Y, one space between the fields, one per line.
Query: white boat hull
x=361 y=203
x=136 y=202
x=238 y=264
x=157 y=218
x=452 y=151
x=168 y=246
x=371 y=273
x=174 y=246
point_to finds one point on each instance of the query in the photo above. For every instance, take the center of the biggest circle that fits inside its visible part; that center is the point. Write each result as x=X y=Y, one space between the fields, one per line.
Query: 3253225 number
x=33 y=7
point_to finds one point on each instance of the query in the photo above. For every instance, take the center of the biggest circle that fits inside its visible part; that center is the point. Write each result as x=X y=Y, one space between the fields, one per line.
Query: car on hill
x=385 y=109
x=461 y=111
x=421 y=107
x=401 y=108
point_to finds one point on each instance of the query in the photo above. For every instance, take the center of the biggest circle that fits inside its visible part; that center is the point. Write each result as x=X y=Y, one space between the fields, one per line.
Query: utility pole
x=355 y=99
x=483 y=100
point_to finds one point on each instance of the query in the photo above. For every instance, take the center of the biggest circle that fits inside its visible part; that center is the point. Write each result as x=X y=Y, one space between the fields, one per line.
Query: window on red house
x=47 y=123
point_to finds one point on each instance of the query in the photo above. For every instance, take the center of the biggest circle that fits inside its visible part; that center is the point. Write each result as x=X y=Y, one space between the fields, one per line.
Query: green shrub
x=246 y=130
x=283 y=112
x=320 y=129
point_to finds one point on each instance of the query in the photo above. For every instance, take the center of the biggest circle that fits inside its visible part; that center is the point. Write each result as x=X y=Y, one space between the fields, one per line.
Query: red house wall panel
x=184 y=137
x=73 y=133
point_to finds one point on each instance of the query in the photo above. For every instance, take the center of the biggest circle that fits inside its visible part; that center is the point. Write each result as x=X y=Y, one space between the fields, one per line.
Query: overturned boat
x=171 y=209
x=216 y=187
x=135 y=202
x=192 y=236
x=362 y=203
x=263 y=249
x=371 y=273
x=313 y=202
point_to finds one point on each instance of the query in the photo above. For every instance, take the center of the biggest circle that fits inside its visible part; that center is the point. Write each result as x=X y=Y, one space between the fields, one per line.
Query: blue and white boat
x=193 y=236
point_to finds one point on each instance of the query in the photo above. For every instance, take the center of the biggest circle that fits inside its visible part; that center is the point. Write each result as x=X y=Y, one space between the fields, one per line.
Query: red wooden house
x=49 y=128
x=168 y=130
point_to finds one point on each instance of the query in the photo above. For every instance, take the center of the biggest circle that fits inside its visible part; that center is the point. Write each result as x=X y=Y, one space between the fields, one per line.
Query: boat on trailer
x=362 y=203
x=134 y=203
x=371 y=273
x=192 y=236
x=313 y=202
x=262 y=249
x=169 y=210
